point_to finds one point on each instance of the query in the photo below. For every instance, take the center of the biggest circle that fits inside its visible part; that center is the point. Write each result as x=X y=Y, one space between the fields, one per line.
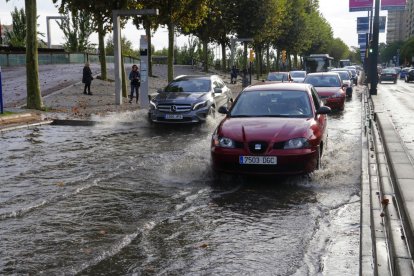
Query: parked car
x=298 y=76
x=189 y=99
x=388 y=74
x=279 y=76
x=354 y=73
x=329 y=88
x=404 y=72
x=272 y=128
x=346 y=78
x=409 y=76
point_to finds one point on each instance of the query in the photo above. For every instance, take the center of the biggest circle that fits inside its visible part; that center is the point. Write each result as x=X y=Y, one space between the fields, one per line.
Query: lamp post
x=374 y=54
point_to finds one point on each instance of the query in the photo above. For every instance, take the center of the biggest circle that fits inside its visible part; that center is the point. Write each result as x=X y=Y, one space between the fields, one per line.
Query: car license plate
x=173 y=116
x=258 y=160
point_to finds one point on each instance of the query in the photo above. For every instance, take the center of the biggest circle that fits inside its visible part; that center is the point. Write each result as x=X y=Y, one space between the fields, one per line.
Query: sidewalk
x=394 y=179
x=70 y=103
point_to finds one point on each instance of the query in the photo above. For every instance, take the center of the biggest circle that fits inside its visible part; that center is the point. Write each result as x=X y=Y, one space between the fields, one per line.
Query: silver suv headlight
x=200 y=105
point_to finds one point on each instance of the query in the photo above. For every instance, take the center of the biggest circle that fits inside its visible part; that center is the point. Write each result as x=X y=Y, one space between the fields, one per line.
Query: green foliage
x=407 y=51
x=388 y=51
x=338 y=49
x=126 y=47
x=17 y=36
x=77 y=30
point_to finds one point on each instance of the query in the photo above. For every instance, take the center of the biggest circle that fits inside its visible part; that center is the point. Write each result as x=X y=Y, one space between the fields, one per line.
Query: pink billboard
x=393 y=5
x=360 y=5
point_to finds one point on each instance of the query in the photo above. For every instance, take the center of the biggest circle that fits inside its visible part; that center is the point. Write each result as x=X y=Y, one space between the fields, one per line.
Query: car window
x=297 y=74
x=189 y=85
x=276 y=103
x=323 y=80
x=316 y=99
x=277 y=77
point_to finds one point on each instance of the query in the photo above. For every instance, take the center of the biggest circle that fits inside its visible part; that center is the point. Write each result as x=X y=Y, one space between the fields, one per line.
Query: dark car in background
x=189 y=99
x=272 y=128
x=404 y=72
x=409 y=76
x=388 y=74
x=329 y=87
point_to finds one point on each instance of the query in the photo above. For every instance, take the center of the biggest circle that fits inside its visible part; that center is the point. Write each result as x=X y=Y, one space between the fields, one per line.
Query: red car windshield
x=295 y=104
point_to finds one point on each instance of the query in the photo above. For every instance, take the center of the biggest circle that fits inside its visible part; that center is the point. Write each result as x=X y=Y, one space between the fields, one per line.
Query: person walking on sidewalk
x=134 y=77
x=87 y=78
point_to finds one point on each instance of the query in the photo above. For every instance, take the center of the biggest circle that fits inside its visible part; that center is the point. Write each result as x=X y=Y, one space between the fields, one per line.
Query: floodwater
x=125 y=197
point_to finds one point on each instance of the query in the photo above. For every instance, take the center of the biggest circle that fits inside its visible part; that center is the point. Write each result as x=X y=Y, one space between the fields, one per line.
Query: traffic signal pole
x=374 y=55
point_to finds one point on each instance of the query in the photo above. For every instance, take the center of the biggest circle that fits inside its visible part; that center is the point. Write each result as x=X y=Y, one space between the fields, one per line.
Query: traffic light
x=251 y=55
x=283 y=56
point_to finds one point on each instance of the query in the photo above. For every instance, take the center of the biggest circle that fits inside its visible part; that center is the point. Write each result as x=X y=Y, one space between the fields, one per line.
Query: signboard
x=362 y=39
x=382 y=21
x=393 y=5
x=360 y=5
x=362 y=25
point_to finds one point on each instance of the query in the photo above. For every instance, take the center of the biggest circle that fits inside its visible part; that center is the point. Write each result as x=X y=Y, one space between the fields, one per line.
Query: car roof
x=294 y=86
x=207 y=77
x=323 y=74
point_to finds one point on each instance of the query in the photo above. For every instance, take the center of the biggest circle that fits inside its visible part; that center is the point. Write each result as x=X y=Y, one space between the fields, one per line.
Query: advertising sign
x=360 y=5
x=362 y=25
x=393 y=5
x=362 y=39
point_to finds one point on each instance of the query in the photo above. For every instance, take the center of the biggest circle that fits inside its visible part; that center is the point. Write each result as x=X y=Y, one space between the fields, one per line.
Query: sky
x=336 y=12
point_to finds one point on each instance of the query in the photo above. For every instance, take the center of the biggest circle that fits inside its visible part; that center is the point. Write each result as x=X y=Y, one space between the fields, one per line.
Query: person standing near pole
x=135 y=78
x=87 y=78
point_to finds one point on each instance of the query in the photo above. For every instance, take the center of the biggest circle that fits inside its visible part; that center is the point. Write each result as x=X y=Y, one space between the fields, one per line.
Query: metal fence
x=19 y=59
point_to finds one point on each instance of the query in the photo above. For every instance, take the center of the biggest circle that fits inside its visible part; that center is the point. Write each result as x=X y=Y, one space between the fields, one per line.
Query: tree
x=338 y=49
x=126 y=47
x=77 y=30
x=101 y=11
x=34 y=97
x=182 y=15
x=17 y=36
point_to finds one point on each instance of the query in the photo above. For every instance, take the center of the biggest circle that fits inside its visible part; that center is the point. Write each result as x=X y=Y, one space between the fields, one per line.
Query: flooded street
x=125 y=197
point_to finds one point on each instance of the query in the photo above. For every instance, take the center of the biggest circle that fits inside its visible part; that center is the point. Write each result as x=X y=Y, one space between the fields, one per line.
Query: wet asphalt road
x=128 y=198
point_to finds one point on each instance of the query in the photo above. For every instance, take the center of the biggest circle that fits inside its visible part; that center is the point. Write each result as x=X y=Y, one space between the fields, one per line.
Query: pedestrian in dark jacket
x=87 y=78
x=135 y=79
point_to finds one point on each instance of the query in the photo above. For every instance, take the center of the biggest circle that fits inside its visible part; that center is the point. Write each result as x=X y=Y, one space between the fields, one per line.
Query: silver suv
x=189 y=99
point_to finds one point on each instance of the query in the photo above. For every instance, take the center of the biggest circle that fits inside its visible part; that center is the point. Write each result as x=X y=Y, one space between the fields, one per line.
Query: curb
x=394 y=178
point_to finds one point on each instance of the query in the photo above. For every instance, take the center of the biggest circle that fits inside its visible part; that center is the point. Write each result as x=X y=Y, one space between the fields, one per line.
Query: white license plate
x=173 y=116
x=258 y=160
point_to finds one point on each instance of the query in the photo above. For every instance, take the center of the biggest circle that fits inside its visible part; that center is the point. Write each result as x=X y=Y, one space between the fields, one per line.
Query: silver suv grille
x=174 y=107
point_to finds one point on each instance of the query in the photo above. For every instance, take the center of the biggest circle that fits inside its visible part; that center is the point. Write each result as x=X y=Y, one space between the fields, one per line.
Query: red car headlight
x=297 y=143
x=223 y=142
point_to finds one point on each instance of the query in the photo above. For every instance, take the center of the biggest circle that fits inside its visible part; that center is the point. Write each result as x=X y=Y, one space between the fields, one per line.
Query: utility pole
x=374 y=53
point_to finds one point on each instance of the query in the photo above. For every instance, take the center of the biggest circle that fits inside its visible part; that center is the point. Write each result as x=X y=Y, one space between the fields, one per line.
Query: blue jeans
x=136 y=89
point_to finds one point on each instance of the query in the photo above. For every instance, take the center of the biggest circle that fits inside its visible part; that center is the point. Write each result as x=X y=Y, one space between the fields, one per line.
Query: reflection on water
x=129 y=197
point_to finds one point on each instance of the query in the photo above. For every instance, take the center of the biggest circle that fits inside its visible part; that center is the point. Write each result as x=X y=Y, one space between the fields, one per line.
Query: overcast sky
x=336 y=13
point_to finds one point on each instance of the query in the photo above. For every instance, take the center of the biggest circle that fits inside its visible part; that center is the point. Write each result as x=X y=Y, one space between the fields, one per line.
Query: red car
x=329 y=87
x=272 y=128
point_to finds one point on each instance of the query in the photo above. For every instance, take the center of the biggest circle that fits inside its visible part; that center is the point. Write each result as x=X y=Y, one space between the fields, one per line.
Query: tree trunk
x=268 y=66
x=277 y=60
x=223 y=57
x=34 y=96
x=295 y=61
x=102 y=52
x=245 y=56
x=205 y=55
x=124 y=86
x=170 y=51
x=148 y=34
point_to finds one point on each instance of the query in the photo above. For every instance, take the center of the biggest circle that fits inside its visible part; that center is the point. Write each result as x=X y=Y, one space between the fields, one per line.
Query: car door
x=320 y=119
